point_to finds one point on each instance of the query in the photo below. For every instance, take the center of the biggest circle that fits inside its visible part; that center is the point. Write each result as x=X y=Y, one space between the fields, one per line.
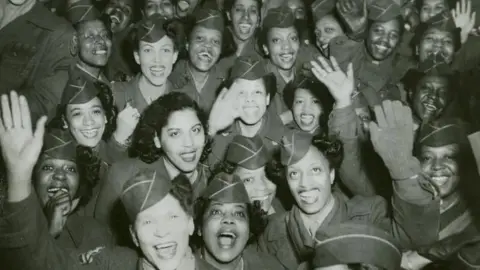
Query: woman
x=158 y=207
x=245 y=111
x=244 y=19
x=327 y=27
x=227 y=222
x=156 y=43
x=246 y=158
x=201 y=74
x=308 y=166
x=310 y=103
x=170 y=138
x=280 y=42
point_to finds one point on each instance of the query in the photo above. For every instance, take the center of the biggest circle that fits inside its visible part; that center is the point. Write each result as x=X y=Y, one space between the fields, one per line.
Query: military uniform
x=121 y=65
x=34 y=58
x=291 y=242
x=183 y=81
x=108 y=209
x=129 y=92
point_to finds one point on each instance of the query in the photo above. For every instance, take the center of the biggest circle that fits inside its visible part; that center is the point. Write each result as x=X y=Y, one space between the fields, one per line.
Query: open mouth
x=429 y=106
x=307 y=119
x=54 y=190
x=115 y=19
x=166 y=250
x=90 y=133
x=309 y=196
x=381 y=47
x=189 y=156
x=286 y=57
x=324 y=46
x=100 y=51
x=244 y=28
x=440 y=180
x=205 y=56
x=227 y=239
x=157 y=70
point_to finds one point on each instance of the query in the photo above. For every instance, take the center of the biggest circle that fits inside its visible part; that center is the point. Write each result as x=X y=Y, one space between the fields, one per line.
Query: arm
x=468 y=56
x=343 y=123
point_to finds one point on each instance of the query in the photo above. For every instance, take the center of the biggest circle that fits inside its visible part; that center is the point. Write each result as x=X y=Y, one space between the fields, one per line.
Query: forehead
x=168 y=204
x=246 y=3
x=125 y=2
x=439 y=150
x=203 y=31
x=164 y=41
x=304 y=93
x=92 y=26
x=313 y=156
x=245 y=84
x=95 y=102
x=438 y=32
x=243 y=171
x=432 y=2
x=186 y=118
x=276 y=31
x=44 y=159
x=227 y=206
x=389 y=25
x=433 y=79
x=327 y=20
x=295 y=3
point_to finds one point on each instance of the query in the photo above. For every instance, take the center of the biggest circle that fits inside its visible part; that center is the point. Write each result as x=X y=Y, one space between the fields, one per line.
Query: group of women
x=244 y=141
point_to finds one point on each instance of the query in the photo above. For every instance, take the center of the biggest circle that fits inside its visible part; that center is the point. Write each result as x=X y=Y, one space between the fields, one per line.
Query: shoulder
x=260 y=260
x=359 y=206
x=43 y=18
x=276 y=228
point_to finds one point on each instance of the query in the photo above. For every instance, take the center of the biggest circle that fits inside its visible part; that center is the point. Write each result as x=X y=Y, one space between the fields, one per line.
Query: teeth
x=115 y=19
x=310 y=196
x=440 y=180
x=157 y=69
x=263 y=198
x=381 y=47
x=166 y=251
x=228 y=234
x=101 y=52
x=55 y=190
x=90 y=133
x=287 y=57
x=306 y=119
x=245 y=28
x=429 y=106
x=205 y=55
x=324 y=46
x=163 y=246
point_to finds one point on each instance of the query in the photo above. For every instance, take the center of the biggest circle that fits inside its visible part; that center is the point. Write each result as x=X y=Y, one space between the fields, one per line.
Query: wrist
x=19 y=188
x=121 y=137
x=339 y=104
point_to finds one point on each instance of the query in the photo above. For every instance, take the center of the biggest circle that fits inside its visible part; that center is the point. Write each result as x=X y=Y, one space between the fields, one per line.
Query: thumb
x=40 y=128
x=374 y=129
x=365 y=6
x=128 y=105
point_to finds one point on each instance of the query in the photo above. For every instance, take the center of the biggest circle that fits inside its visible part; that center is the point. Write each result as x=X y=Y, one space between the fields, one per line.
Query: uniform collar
x=101 y=78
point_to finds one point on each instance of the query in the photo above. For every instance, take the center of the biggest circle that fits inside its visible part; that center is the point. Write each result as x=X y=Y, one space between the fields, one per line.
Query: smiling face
x=430 y=8
x=94 y=43
x=162 y=232
x=163 y=7
x=86 y=122
x=441 y=165
x=204 y=47
x=182 y=140
x=430 y=97
x=259 y=187
x=383 y=38
x=253 y=100
x=120 y=13
x=436 y=41
x=326 y=29
x=53 y=176
x=306 y=110
x=156 y=60
x=185 y=7
x=310 y=181
x=282 y=47
x=225 y=230
x=245 y=18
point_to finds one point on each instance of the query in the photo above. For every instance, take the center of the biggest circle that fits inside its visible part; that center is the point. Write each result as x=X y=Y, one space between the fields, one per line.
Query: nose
x=162 y=231
x=88 y=120
x=188 y=139
x=437 y=164
x=59 y=174
x=227 y=219
x=286 y=45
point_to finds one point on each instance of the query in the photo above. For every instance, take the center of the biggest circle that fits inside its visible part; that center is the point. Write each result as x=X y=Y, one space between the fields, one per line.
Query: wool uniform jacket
x=184 y=82
x=129 y=92
x=109 y=208
x=35 y=57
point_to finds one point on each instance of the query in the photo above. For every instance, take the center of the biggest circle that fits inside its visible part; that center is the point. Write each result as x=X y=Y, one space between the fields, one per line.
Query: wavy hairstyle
x=174 y=29
x=330 y=147
x=155 y=118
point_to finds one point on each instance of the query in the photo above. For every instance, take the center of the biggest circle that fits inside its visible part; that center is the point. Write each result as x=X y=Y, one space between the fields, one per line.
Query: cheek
x=73 y=183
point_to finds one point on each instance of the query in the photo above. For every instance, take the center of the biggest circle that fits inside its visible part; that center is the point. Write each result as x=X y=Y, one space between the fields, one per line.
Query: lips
x=324 y=46
x=429 y=106
x=166 y=250
x=381 y=48
x=189 y=156
x=205 y=56
x=440 y=180
x=244 y=28
x=309 y=196
x=90 y=133
x=54 y=190
x=286 y=57
x=100 y=51
x=157 y=70
x=227 y=239
x=115 y=19
x=307 y=119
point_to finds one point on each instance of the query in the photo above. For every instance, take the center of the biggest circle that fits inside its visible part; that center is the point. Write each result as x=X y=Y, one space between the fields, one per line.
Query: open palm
x=340 y=84
x=464 y=18
x=20 y=146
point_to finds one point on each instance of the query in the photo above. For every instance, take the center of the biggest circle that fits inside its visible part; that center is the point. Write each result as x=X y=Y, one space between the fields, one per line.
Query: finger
x=348 y=5
x=380 y=116
x=408 y=117
x=350 y=71
x=40 y=130
x=222 y=93
x=16 y=115
x=334 y=62
x=364 y=6
x=6 y=113
x=326 y=66
x=374 y=129
x=318 y=71
x=389 y=113
x=454 y=14
x=341 y=6
x=469 y=7
x=25 y=112
x=398 y=113
x=458 y=8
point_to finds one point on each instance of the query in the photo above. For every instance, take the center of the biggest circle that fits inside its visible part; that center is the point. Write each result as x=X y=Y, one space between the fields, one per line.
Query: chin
x=157 y=81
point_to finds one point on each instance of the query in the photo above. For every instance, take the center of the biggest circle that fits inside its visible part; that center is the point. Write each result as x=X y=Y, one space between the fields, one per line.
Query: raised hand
x=20 y=145
x=464 y=18
x=127 y=120
x=225 y=109
x=392 y=136
x=354 y=13
x=340 y=84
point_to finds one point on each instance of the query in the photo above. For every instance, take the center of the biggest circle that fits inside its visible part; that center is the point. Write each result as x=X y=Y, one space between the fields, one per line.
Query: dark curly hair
x=174 y=29
x=155 y=118
x=106 y=99
x=316 y=89
x=330 y=147
x=257 y=220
